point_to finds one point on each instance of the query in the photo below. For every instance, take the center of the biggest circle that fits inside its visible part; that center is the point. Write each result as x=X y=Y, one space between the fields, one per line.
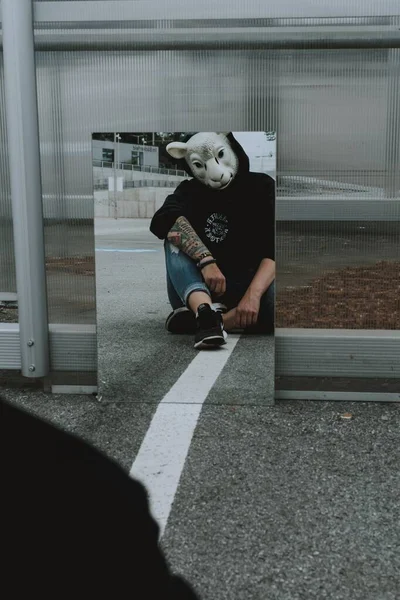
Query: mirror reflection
x=185 y=261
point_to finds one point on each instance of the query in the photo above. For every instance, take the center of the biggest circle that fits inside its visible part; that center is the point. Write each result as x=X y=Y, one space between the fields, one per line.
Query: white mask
x=210 y=158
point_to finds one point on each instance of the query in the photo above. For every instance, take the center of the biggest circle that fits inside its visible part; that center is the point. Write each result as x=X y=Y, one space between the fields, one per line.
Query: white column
x=26 y=187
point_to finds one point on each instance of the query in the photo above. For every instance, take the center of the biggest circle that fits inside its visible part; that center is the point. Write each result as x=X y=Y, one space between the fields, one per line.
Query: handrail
x=217 y=39
x=156 y=10
x=139 y=168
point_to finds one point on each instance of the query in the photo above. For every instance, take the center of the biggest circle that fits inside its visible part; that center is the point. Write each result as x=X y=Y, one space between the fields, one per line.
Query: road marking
x=161 y=457
x=125 y=250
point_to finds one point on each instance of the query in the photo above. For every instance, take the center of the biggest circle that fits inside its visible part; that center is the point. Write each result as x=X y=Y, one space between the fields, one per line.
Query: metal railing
x=102 y=184
x=104 y=164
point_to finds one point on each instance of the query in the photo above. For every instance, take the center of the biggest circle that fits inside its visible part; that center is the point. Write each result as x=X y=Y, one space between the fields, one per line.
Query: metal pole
x=248 y=38
x=115 y=175
x=26 y=188
x=392 y=154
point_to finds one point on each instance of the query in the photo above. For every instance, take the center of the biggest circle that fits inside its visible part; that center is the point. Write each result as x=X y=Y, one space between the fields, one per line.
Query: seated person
x=219 y=232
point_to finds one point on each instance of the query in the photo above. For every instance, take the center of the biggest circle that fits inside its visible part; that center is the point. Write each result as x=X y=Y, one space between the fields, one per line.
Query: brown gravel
x=81 y=265
x=349 y=298
x=8 y=315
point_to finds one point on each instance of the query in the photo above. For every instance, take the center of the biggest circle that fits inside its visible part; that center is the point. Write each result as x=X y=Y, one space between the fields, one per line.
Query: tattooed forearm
x=184 y=237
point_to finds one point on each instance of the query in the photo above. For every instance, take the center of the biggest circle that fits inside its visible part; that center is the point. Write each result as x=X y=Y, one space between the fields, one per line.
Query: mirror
x=185 y=269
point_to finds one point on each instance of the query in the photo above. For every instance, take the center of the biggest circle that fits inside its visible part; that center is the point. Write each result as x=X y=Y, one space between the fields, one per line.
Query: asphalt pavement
x=275 y=501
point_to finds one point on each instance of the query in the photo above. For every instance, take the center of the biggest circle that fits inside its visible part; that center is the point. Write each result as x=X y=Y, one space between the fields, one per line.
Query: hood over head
x=214 y=159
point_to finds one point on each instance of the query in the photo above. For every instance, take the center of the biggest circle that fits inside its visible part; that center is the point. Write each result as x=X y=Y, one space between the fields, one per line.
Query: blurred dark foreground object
x=74 y=524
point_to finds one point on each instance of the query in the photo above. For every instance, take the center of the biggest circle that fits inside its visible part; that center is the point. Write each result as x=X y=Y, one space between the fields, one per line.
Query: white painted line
x=161 y=457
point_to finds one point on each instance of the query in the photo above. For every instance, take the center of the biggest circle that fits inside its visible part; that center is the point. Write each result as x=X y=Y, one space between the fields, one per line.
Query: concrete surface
x=132 y=305
x=285 y=502
x=290 y=503
x=101 y=173
x=132 y=203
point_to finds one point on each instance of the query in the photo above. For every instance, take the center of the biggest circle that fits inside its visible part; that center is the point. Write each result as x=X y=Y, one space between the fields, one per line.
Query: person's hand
x=214 y=279
x=247 y=311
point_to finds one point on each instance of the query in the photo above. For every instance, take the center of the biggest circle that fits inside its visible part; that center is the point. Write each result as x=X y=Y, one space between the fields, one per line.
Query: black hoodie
x=236 y=224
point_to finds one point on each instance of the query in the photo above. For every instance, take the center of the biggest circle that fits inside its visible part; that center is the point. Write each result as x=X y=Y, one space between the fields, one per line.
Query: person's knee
x=171 y=248
x=177 y=260
x=170 y=251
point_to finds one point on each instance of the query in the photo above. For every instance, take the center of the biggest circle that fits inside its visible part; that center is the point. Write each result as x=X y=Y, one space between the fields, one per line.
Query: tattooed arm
x=186 y=239
x=183 y=236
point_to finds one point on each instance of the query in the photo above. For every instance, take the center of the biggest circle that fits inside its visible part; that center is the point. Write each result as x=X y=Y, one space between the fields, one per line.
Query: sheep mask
x=210 y=158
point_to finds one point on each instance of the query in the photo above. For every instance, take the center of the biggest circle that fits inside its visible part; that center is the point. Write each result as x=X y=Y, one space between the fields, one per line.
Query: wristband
x=205 y=264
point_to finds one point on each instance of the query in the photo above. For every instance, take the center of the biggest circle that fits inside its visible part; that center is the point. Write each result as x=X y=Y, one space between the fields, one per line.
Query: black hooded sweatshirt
x=236 y=224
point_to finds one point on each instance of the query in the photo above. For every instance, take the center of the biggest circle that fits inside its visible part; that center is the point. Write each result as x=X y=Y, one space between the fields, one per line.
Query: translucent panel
x=285 y=8
x=336 y=115
x=7 y=265
x=333 y=119
x=84 y=92
x=68 y=212
x=340 y=274
x=339 y=141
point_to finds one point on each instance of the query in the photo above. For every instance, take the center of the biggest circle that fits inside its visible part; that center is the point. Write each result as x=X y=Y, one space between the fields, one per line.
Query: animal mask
x=210 y=158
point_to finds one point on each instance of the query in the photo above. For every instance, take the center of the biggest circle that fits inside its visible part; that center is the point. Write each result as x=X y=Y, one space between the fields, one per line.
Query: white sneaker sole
x=212 y=341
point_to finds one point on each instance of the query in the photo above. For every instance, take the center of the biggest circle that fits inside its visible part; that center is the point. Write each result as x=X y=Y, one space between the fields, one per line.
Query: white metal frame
x=8 y=296
x=333 y=209
x=126 y=10
x=86 y=18
x=317 y=352
x=338 y=396
x=311 y=352
x=26 y=188
x=72 y=347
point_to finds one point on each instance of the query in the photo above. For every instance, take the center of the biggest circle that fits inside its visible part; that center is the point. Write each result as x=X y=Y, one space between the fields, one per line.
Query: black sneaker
x=181 y=320
x=210 y=329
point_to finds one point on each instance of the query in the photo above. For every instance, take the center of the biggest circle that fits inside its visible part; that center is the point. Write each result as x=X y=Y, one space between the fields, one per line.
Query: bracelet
x=200 y=265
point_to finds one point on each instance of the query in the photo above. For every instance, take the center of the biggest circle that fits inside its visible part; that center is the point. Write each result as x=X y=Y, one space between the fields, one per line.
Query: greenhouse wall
x=325 y=78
